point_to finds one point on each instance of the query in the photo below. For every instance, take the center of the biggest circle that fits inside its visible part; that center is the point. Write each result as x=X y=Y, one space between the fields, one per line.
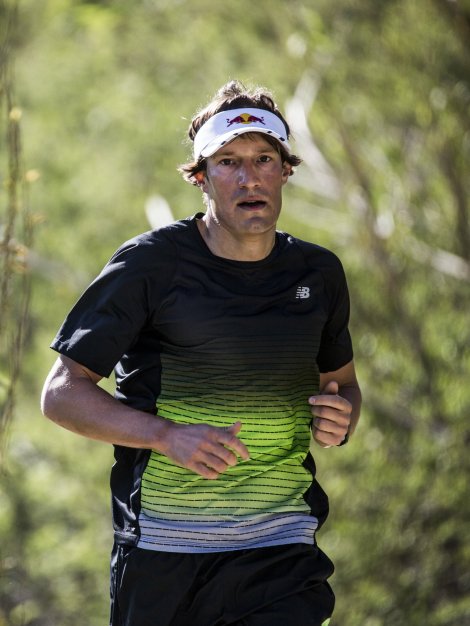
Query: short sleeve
x=336 y=345
x=114 y=309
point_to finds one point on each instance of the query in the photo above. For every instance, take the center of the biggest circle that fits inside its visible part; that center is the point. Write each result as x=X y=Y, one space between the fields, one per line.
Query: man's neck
x=225 y=245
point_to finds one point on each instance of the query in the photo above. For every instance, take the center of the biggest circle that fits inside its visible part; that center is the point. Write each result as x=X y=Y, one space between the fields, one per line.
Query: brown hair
x=234 y=95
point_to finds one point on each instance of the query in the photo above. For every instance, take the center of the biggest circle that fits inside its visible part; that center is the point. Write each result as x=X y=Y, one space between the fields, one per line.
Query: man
x=230 y=346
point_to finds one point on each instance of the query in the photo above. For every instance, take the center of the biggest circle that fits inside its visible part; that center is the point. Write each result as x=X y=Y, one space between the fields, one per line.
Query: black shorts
x=274 y=586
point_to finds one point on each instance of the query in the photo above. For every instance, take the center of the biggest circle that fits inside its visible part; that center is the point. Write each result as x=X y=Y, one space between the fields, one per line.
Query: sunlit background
x=96 y=98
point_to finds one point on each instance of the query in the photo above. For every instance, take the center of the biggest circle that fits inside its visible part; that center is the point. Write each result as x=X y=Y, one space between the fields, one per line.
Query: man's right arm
x=72 y=398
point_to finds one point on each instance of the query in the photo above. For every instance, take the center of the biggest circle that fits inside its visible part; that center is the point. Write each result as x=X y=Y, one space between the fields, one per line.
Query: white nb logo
x=303 y=292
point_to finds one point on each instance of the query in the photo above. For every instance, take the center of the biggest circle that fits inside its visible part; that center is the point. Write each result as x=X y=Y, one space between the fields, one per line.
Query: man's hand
x=206 y=450
x=73 y=399
x=332 y=416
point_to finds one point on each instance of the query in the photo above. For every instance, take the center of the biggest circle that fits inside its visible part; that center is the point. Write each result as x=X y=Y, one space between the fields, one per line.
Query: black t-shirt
x=195 y=338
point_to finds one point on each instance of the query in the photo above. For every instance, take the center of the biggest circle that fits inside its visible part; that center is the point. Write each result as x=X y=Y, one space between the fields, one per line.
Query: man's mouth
x=252 y=204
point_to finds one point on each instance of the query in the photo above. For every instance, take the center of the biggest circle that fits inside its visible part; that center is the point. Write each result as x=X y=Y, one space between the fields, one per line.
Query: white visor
x=225 y=126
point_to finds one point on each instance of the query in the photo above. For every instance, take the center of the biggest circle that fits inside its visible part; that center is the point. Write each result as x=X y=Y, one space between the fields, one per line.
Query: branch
x=458 y=17
x=440 y=260
x=15 y=287
x=321 y=178
x=461 y=201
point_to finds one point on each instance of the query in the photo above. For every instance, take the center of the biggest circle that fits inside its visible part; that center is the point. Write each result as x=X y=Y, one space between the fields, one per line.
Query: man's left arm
x=337 y=407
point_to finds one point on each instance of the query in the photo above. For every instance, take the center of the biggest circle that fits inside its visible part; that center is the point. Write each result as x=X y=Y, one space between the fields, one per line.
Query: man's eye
x=226 y=162
x=264 y=158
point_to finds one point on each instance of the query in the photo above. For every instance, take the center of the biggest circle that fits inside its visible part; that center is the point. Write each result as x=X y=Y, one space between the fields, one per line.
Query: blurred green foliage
x=378 y=96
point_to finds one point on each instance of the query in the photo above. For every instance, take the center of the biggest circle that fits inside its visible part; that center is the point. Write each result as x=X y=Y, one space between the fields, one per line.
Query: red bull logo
x=244 y=118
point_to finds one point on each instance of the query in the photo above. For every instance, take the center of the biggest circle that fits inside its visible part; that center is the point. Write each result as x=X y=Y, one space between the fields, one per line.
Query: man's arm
x=71 y=398
x=337 y=408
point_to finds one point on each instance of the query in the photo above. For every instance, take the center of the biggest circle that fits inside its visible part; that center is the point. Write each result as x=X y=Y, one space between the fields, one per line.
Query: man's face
x=243 y=183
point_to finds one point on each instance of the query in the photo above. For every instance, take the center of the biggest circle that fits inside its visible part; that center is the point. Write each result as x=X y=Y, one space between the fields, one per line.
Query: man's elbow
x=51 y=398
x=47 y=401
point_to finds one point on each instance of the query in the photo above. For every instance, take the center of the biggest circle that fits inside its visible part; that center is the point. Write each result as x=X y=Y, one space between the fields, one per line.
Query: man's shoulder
x=312 y=252
x=158 y=241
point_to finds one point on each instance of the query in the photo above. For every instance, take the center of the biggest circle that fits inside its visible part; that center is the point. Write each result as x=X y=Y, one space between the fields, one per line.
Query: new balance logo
x=303 y=292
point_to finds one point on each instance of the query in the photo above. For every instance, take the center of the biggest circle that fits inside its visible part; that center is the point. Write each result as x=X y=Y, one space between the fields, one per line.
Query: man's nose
x=248 y=175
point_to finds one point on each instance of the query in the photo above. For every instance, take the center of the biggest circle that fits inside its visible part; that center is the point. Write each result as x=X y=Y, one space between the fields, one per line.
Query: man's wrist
x=162 y=432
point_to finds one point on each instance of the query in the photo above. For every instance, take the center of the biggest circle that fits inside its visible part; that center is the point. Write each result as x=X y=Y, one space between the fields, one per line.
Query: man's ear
x=200 y=178
x=286 y=171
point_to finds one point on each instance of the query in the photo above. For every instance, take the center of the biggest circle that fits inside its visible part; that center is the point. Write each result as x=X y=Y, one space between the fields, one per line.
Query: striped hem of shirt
x=212 y=535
